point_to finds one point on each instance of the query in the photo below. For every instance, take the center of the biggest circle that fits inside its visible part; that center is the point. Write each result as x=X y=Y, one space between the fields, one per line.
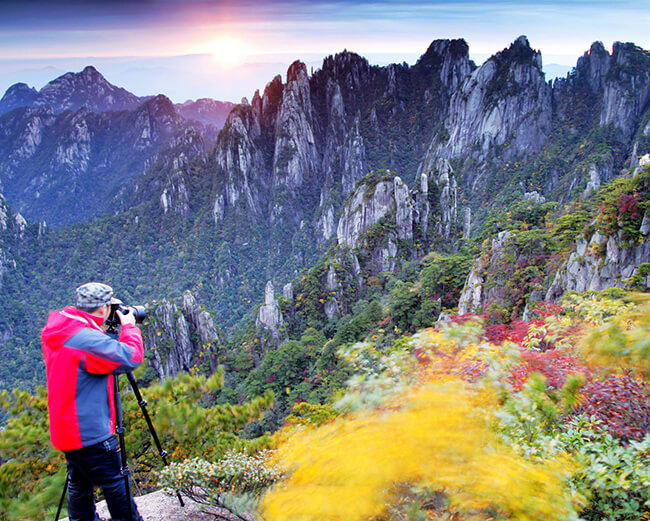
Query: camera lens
x=139 y=313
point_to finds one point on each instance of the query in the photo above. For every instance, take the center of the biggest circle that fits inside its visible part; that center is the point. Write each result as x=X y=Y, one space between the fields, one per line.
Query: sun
x=227 y=50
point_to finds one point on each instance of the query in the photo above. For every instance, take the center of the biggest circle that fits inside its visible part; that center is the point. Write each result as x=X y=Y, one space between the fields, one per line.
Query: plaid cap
x=93 y=294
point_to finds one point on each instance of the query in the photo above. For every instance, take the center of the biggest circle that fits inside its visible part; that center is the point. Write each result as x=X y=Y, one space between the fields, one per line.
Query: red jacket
x=80 y=359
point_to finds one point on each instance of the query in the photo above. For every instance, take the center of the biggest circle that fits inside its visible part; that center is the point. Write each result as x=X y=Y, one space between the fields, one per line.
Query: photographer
x=80 y=360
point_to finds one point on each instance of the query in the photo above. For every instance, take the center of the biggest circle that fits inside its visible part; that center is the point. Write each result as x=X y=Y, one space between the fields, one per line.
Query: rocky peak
x=520 y=51
x=505 y=101
x=18 y=95
x=86 y=88
x=450 y=58
x=297 y=72
x=295 y=155
x=155 y=117
x=272 y=98
x=593 y=66
x=180 y=337
x=160 y=106
x=241 y=159
x=348 y=68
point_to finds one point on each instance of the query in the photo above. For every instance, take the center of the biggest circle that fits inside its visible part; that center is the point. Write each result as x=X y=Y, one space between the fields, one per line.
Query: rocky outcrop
x=372 y=202
x=441 y=182
x=601 y=262
x=175 y=197
x=476 y=293
x=382 y=214
x=179 y=337
x=269 y=316
x=12 y=229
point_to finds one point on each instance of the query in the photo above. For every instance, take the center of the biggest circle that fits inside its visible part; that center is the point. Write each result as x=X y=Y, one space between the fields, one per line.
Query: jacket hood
x=61 y=325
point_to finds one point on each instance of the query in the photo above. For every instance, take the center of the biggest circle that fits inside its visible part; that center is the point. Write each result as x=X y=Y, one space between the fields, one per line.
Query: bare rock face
x=627 y=88
x=587 y=269
x=12 y=228
x=446 y=192
x=269 y=316
x=467 y=222
x=180 y=337
x=369 y=204
x=505 y=100
x=593 y=66
x=475 y=294
x=175 y=197
x=599 y=173
x=240 y=157
x=331 y=306
x=295 y=147
x=74 y=151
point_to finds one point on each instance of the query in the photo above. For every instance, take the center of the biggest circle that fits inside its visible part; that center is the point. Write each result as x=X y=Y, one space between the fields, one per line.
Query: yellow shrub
x=436 y=435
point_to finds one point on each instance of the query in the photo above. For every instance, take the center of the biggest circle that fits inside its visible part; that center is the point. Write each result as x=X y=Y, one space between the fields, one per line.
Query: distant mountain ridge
x=71 y=91
x=91 y=90
x=206 y=110
x=82 y=137
x=321 y=132
x=49 y=161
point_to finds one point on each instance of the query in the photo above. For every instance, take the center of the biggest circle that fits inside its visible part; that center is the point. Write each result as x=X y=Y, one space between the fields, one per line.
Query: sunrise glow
x=228 y=51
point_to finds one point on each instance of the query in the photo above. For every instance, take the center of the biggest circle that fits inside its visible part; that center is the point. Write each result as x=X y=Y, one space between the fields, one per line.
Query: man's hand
x=126 y=318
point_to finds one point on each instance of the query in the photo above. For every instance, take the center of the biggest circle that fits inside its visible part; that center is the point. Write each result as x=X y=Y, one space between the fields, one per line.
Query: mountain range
x=322 y=185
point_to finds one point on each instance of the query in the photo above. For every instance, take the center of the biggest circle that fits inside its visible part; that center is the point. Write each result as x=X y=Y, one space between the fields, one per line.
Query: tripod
x=119 y=429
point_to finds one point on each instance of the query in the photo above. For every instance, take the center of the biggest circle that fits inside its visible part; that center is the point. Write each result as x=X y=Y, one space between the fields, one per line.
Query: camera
x=113 y=321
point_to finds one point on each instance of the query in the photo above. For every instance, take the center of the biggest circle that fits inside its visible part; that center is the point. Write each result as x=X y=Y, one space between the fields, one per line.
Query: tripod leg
x=65 y=489
x=119 y=429
x=152 y=430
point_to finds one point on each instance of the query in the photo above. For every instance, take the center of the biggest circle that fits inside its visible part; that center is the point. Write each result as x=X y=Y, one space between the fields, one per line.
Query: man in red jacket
x=80 y=360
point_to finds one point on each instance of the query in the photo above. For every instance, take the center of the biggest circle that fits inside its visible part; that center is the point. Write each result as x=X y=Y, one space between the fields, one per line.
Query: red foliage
x=621 y=402
x=545 y=309
x=627 y=206
x=516 y=331
x=554 y=365
x=462 y=319
x=384 y=322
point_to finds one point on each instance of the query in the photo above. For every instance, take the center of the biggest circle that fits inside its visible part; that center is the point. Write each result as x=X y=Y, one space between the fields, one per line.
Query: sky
x=225 y=50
